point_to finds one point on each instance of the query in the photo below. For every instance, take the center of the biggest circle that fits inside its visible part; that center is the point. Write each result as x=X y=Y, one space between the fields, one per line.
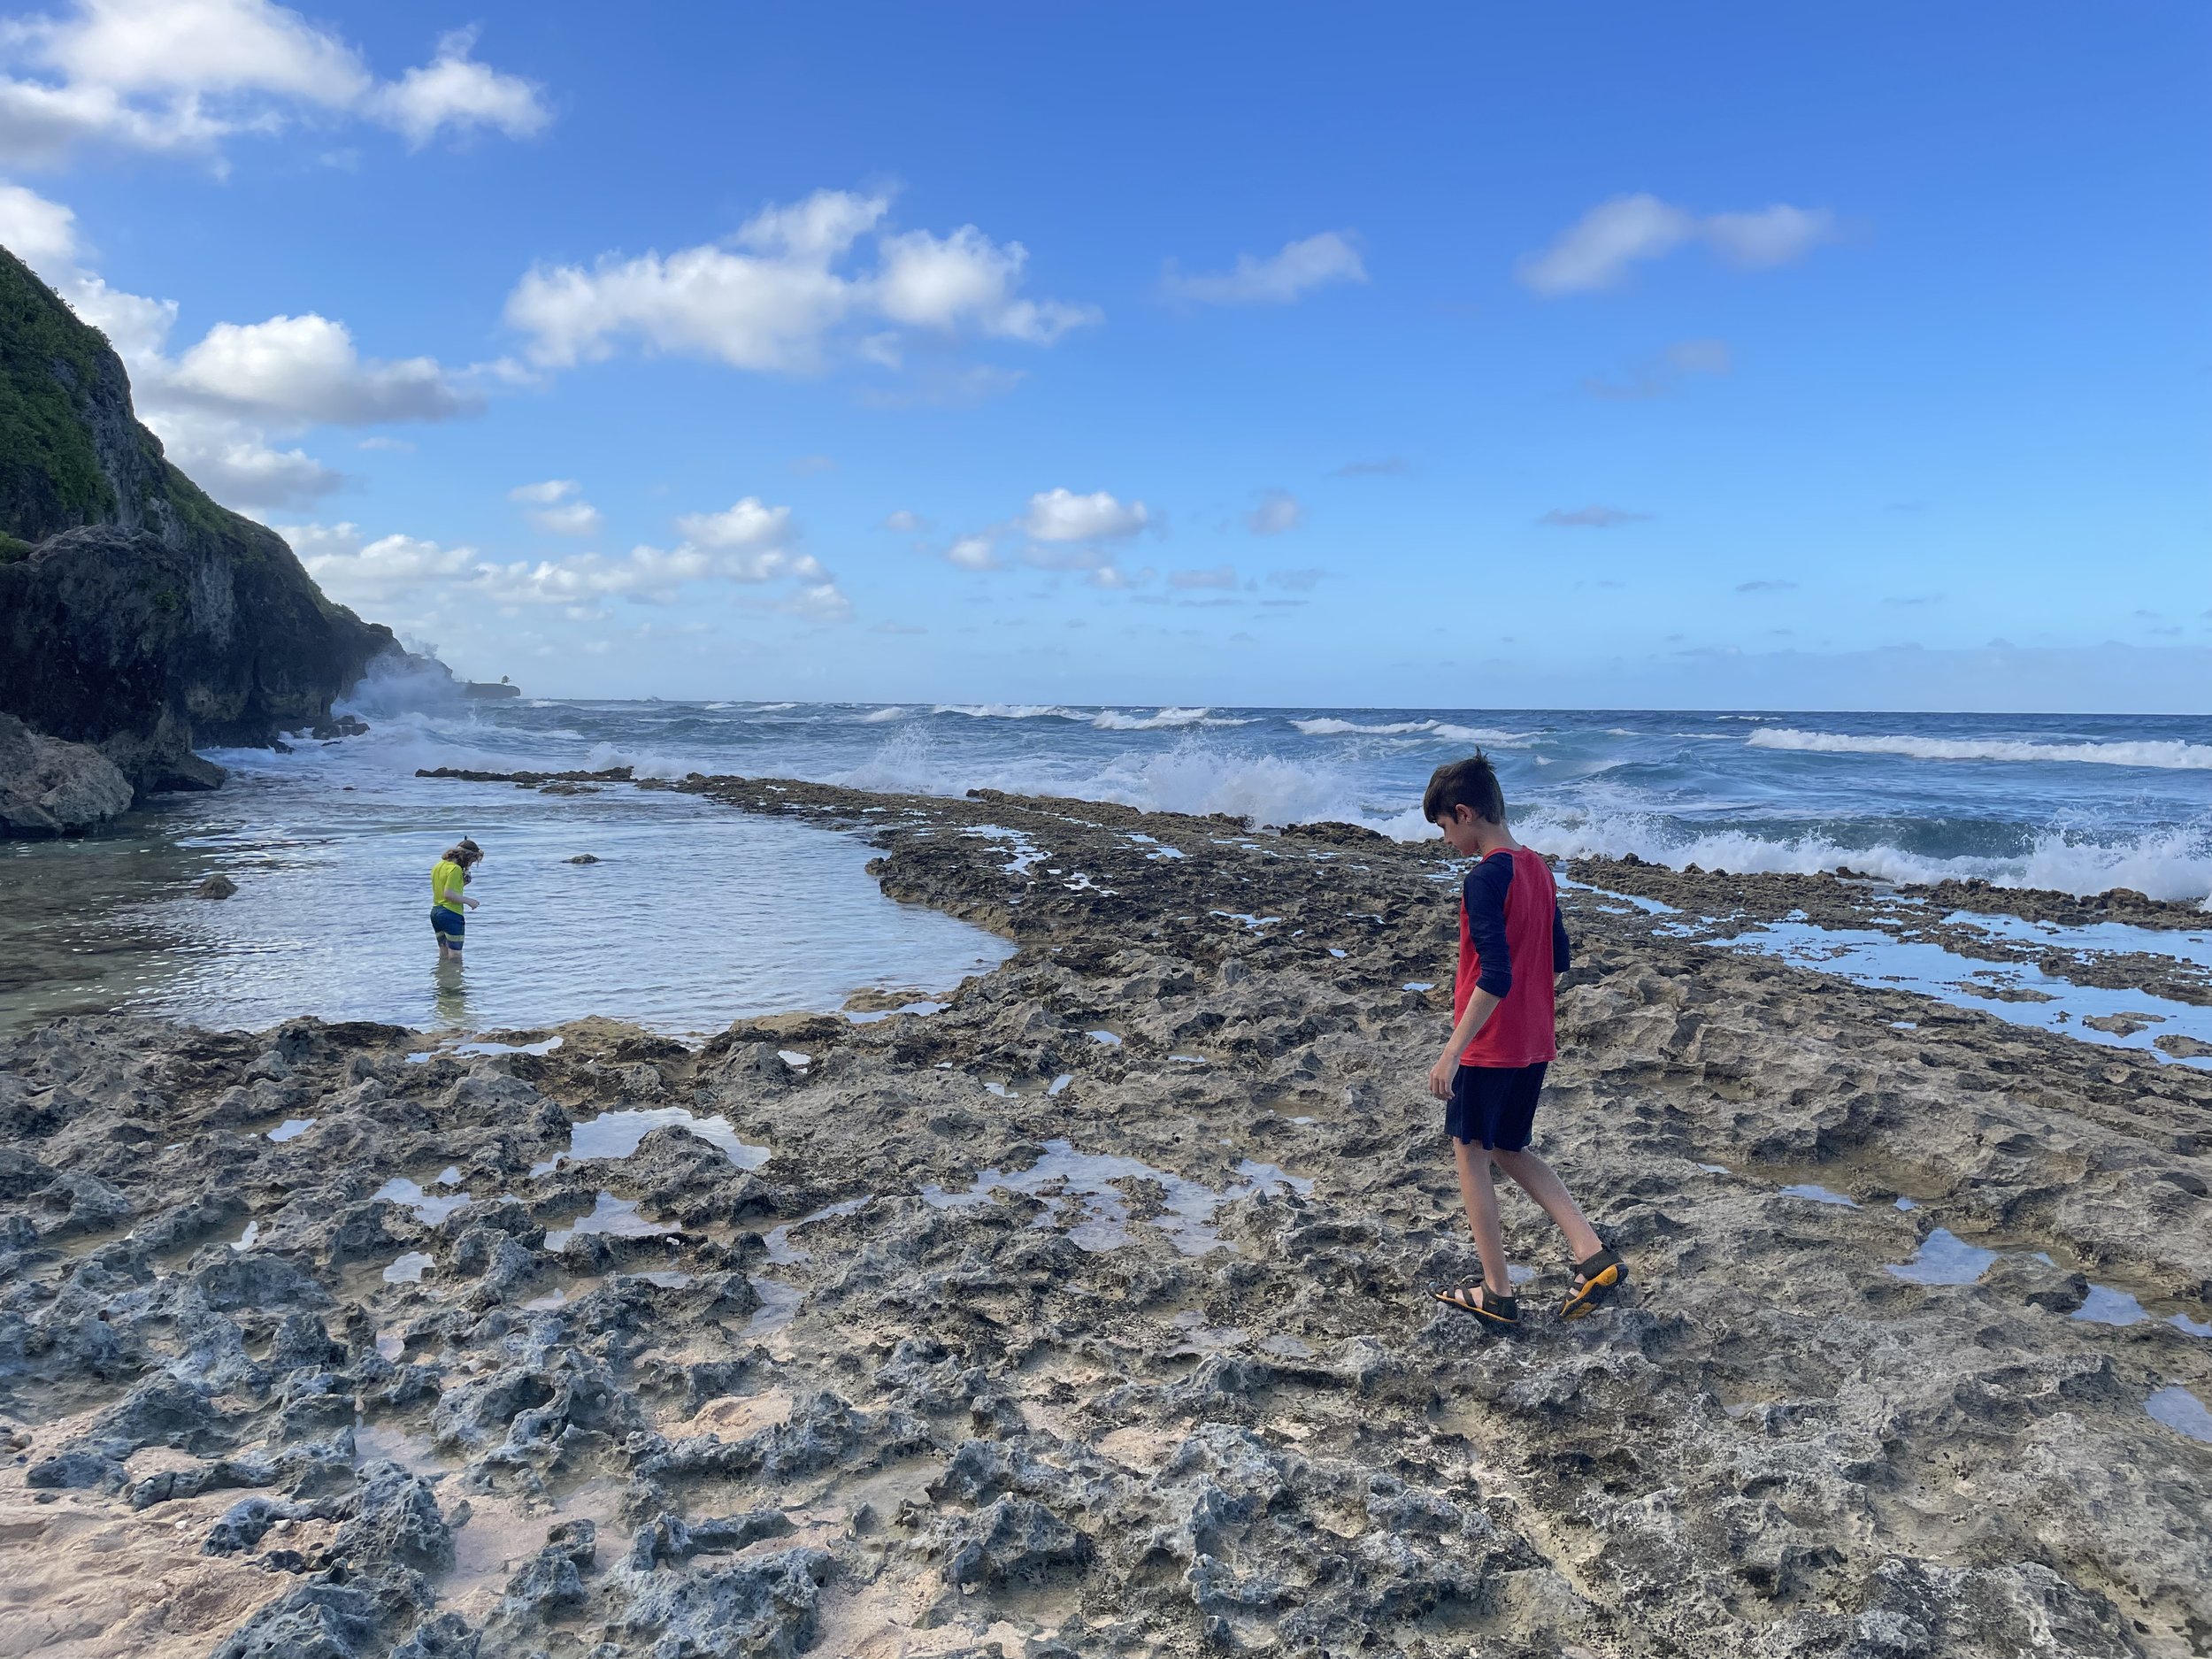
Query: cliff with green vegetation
x=136 y=615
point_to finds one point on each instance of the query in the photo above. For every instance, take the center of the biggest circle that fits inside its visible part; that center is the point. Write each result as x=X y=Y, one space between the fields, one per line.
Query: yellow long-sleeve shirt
x=446 y=878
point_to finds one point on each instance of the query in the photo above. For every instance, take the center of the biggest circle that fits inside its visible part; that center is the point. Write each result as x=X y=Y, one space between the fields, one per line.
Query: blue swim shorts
x=448 y=925
x=1493 y=1105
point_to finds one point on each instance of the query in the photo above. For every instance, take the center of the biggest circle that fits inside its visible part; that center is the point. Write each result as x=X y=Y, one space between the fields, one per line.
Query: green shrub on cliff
x=49 y=473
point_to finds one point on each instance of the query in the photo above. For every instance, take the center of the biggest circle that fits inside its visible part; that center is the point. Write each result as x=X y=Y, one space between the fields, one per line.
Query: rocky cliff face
x=137 y=616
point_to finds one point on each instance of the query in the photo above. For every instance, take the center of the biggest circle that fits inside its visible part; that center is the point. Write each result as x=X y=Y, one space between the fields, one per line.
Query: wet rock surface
x=1086 y=1313
x=1968 y=918
x=50 y=787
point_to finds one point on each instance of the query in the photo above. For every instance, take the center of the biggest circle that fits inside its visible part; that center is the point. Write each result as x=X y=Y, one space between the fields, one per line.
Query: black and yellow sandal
x=1474 y=1297
x=1595 y=1279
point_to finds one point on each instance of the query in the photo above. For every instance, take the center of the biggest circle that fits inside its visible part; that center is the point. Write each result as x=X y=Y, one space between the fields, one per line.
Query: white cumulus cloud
x=42 y=234
x=750 y=523
x=454 y=91
x=1276 y=279
x=305 y=370
x=581 y=585
x=186 y=74
x=1062 y=515
x=967 y=281
x=1599 y=250
x=557 y=506
x=778 y=297
x=973 y=553
x=359 y=573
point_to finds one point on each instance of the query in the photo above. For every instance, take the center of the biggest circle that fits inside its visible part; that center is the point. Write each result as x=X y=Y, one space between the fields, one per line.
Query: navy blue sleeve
x=1484 y=896
x=1562 y=957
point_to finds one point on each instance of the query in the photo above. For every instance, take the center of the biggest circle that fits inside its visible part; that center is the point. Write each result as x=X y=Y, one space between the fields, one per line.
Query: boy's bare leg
x=1479 y=1194
x=1535 y=1178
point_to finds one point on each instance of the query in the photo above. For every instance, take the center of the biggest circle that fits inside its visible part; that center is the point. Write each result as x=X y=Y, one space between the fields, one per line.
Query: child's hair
x=464 y=852
x=1471 y=783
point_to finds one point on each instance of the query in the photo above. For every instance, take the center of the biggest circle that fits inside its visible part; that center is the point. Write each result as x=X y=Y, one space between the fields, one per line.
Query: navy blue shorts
x=1493 y=1105
x=448 y=925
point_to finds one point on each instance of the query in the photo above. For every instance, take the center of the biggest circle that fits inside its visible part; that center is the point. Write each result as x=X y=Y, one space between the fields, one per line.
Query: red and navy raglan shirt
x=1511 y=941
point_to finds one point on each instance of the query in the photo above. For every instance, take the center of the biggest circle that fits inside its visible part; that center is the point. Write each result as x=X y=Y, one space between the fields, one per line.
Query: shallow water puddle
x=1649 y=907
x=1943 y=1258
x=618 y=1217
x=1819 y=1195
x=293 y=1127
x=780 y=1249
x=2180 y=1411
x=2096 y=939
x=380 y=1443
x=1010 y=1088
x=1087 y=1178
x=1871 y=957
x=616 y=1135
x=427 y=1054
x=500 y=1537
x=245 y=1240
x=1200 y=1338
x=430 y=1207
x=1026 y=853
x=408 y=1269
x=779 y=1304
x=1250 y=922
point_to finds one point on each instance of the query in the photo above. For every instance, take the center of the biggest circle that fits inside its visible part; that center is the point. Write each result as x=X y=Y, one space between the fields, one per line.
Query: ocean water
x=2076 y=802
x=697 y=915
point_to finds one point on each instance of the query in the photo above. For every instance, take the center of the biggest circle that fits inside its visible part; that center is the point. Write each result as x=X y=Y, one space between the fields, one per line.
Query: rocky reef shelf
x=951 y=1329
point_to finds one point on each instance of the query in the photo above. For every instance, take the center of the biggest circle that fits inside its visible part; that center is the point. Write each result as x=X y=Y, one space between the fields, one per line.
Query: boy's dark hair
x=1471 y=783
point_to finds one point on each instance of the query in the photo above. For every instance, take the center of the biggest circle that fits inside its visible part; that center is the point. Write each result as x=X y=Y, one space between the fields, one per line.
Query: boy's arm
x=1479 y=1008
x=1483 y=896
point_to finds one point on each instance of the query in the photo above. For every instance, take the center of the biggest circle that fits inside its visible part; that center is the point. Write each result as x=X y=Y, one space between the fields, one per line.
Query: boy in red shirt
x=1511 y=944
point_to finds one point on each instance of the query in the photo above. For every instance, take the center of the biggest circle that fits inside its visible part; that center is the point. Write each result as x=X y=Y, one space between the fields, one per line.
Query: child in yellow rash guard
x=449 y=919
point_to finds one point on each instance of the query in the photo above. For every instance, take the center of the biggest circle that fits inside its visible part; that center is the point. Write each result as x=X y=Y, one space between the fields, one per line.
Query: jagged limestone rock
x=50 y=788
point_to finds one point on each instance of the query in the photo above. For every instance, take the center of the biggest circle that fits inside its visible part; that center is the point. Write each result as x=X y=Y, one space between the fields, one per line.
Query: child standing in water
x=449 y=920
x=1512 y=943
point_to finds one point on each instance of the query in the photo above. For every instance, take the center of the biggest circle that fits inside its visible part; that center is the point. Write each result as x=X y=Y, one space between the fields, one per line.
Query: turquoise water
x=695 y=915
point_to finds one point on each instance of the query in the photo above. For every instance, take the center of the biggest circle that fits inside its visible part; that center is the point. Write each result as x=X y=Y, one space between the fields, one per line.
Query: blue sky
x=1441 y=356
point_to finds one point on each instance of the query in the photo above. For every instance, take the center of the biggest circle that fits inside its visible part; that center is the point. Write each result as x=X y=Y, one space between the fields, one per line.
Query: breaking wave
x=1166 y=719
x=1328 y=726
x=1010 y=710
x=2166 y=756
x=2167 y=864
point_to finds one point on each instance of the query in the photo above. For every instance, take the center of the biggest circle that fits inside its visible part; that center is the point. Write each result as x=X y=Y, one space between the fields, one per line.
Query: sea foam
x=2161 y=756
